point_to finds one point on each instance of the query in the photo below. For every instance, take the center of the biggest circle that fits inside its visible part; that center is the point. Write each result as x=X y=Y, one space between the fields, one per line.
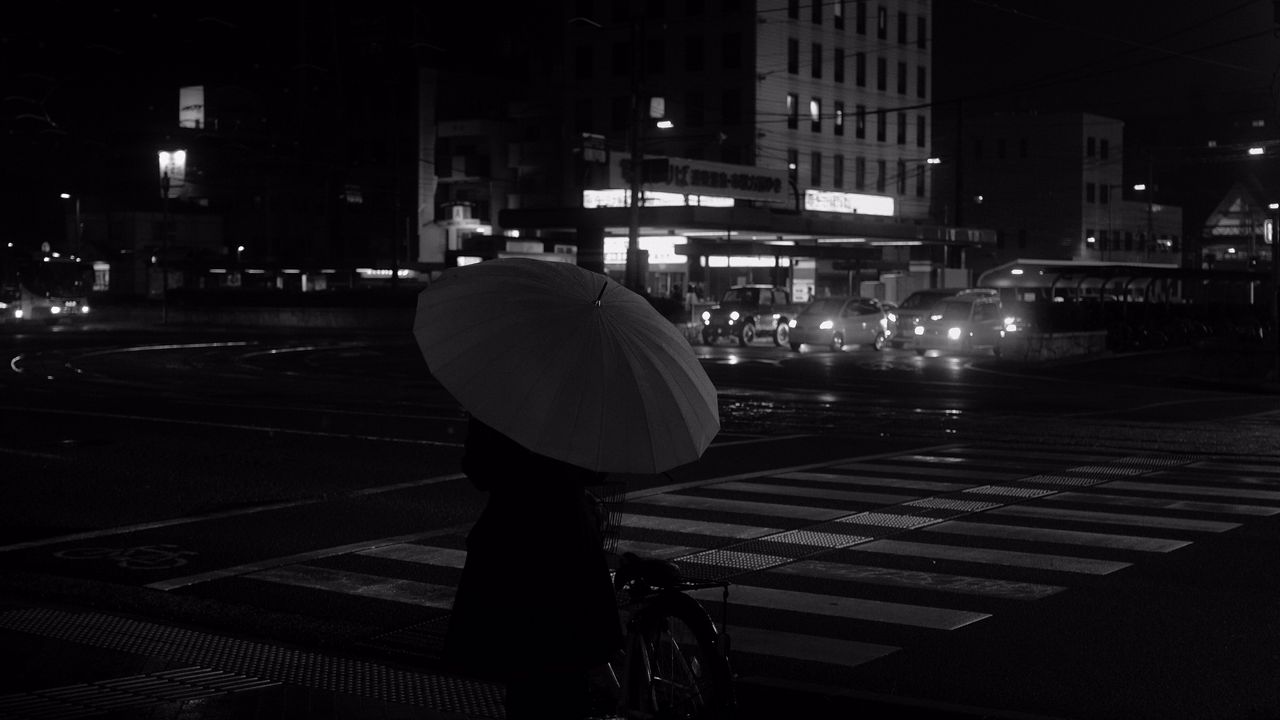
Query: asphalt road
x=930 y=533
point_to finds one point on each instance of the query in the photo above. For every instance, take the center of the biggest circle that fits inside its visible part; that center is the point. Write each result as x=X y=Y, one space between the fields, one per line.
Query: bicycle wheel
x=688 y=676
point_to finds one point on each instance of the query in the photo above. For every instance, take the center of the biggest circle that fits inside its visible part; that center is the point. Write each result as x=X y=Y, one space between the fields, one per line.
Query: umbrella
x=568 y=363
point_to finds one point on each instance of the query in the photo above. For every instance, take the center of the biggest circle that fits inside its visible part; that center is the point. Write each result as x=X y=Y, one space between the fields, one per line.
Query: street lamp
x=77 y=231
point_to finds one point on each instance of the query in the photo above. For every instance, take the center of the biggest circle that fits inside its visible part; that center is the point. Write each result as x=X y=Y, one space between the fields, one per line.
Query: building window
x=860 y=69
x=817 y=11
x=793 y=56
x=622 y=58
x=583 y=62
x=837 y=171
x=882 y=23
x=620 y=115
x=902 y=177
x=655 y=56
x=1090 y=147
x=902 y=128
x=920 y=172
x=881 y=173
x=695 y=109
x=837 y=13
x=815 y=58
x=860 y=17
x=921 y=81
x=1090 y=192
x=902 y=28
x=731 y=107
x=815 y=115
x=793 y=111
x=902 y=78
x=1104 y=194
x=922 y=26
x=882 y=122
x=921 y=130
x=860 y=121
x=815 y=172
x=1104 y=148
x=860 y=173
x=838 y=60
x=693 y=53
x=584 y=111
x=793 y=9
x=839 y=118
x=882 y=74
x=731 y=51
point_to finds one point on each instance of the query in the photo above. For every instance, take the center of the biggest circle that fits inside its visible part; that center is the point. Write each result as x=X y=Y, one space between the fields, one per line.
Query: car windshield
x=954 y=310
x=825 y=306
x=921 y=301
x=746 y=296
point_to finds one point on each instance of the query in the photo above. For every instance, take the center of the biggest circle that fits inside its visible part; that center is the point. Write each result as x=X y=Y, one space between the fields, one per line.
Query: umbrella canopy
x=568 y=363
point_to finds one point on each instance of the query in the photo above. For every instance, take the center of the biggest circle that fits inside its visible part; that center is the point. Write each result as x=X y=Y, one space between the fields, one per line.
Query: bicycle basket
x=610 y=497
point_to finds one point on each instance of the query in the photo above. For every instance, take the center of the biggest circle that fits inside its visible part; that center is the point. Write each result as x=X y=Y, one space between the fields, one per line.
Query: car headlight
x=84 y=309
x=826 y=325
x=919 y=330
x=55 y=309
x=953 y=333
x=791 y=323
x=17 y=313
x=706 y=316
x=893 y=317
x=1011 y=327
x=733 y=315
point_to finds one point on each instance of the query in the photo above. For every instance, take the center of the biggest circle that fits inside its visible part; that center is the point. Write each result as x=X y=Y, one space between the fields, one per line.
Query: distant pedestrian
x=535 y=606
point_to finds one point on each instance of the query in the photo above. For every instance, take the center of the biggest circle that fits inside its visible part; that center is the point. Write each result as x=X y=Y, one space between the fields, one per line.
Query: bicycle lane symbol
x=163 y=556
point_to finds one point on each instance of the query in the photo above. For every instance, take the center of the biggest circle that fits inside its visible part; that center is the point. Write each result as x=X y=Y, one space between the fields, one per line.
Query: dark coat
x=535 y=593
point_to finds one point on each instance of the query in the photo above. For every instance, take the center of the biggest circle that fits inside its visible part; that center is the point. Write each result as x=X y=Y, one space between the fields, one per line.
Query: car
x=964 y=323
x=836 y=322
x=913 y=309
x=748 y=312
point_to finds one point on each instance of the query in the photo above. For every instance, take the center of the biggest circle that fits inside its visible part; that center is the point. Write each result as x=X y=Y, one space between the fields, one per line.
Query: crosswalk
x=844 y=563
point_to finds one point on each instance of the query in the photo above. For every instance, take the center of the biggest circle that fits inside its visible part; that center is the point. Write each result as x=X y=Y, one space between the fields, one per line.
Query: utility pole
x=164 y=249
x=631 y=276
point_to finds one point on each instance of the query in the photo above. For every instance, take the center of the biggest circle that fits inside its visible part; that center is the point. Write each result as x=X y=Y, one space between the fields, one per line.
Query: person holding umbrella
x=567 y=376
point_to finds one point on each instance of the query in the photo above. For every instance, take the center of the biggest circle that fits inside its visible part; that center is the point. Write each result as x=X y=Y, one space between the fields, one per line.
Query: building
x=796 y=150
x=1053 y=186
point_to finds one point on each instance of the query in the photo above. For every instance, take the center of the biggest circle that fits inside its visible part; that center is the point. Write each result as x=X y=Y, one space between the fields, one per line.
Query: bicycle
x=674 y=663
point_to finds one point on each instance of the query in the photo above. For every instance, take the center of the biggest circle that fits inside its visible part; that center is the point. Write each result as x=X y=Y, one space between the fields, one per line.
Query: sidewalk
x=69 y=662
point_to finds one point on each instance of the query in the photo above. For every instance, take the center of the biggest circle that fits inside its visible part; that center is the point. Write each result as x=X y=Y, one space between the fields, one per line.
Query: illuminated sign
x=661 y=249
x=621 y=198
x=824 y=201
x=701 y=178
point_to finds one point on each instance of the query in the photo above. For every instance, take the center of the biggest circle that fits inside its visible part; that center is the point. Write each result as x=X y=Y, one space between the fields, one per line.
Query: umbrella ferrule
x=603 y=287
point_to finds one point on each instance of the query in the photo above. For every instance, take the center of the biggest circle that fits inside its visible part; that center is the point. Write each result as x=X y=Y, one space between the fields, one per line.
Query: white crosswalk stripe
x=877 y=553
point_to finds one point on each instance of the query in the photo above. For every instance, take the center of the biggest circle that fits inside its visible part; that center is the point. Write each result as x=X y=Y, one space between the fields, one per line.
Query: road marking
x=843 y=479
x=1194 y=490
x=661 y=551
x=409 y=592
x=1109 y=518
x=807 y=492
x=941 y=582
x=1072 y=537
x=235 y=426
x=848 y=608
x=987 y=556
x=223 y=514
x=909 y=470
x=694 y=527
x=743 y=506
x=421 y=554
x=260 y=565
x=1161 y=503
x=29 y=453
x=849 y=653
